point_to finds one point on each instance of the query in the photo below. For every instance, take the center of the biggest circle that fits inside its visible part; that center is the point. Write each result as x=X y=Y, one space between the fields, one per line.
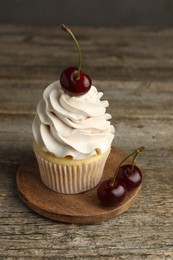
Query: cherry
x=130 y=174
x=131 y=178
x=111 y=193
x=73 y=86
x=72 y=79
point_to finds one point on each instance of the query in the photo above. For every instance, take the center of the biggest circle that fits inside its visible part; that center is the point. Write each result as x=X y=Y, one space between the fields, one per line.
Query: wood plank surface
x=134 y=69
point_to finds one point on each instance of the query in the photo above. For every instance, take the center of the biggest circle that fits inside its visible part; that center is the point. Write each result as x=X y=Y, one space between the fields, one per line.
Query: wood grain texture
x=134 y=69
x=32 y=52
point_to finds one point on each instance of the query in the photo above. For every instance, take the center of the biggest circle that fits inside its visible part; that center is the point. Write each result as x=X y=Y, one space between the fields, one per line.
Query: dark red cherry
x=126 y=177
x=72 y=79
x=132 y=179
x=73 y=86
x=111 y=193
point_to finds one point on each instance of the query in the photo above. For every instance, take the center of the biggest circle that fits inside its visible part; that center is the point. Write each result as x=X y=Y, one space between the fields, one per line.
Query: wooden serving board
x=78 y=208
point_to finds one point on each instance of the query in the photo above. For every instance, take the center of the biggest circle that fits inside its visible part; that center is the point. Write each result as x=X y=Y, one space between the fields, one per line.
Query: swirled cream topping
x=72 y=126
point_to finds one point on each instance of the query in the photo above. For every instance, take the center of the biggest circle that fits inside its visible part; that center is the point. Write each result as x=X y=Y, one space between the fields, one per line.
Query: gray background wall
x=88 y=12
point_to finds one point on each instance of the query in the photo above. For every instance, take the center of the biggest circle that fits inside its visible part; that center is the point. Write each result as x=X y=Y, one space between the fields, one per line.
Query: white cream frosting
x=72 y=126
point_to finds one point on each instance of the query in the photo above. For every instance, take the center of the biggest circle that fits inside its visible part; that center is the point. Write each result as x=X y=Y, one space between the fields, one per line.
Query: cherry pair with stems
x=126 y=178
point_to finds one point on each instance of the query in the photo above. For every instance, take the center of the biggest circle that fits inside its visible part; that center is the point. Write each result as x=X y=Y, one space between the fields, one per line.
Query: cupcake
x=72 y=139
x=72 y=134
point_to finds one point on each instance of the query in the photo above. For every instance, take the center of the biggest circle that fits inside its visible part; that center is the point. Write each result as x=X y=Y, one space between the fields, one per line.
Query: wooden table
x=134 y=69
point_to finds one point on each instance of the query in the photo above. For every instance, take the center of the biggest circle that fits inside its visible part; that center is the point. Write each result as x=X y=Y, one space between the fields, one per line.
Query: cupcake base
x=79 y=208
x=69 y=176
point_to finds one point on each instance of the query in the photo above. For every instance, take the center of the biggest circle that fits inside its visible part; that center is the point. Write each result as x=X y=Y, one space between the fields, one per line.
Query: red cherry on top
x=72 y=79
x=132 y=178
x=111 y=193
x=73 y=86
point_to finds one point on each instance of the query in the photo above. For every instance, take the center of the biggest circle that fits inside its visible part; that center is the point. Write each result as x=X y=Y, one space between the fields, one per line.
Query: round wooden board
x=78 y=208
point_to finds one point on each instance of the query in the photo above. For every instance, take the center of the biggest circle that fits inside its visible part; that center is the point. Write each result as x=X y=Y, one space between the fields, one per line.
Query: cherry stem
x=66 y=29
x=135 y=153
